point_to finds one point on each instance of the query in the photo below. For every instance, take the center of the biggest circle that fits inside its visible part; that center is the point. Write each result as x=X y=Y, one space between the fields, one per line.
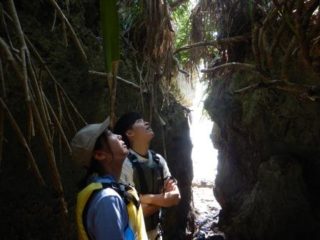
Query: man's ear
x=99 y=155
x=129 y=133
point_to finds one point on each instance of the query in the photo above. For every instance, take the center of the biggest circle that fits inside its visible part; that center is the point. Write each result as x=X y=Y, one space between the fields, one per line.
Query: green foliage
x=130 y=14
x=110 y=31
x=181 y=17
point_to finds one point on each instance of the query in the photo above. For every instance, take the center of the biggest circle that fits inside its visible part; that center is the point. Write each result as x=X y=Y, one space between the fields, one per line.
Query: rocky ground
x=206 y=212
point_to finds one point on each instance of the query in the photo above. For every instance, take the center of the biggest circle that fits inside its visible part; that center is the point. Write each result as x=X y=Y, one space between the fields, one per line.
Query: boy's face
x=140 y=132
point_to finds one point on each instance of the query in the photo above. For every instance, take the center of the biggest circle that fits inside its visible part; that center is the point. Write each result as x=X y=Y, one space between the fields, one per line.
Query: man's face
x=140 y=131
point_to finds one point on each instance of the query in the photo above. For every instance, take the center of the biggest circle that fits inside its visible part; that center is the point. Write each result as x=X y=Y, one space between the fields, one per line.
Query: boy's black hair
x=125 y=123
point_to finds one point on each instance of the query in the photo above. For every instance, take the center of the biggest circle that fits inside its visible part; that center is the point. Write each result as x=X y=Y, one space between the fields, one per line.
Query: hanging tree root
x=1 y=134
x=64 y=95
x=23 y=54
x=74 y=36
x=40 y=113
x=283 y=37
x=3 y=94
x=307 y=92
x=23 y=141
x=44 y=134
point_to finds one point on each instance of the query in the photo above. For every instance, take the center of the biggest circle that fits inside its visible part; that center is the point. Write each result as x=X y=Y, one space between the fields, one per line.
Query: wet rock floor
x=206 y=210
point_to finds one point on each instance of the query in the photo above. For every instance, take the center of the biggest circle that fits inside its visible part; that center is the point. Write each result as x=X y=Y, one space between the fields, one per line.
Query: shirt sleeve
x=166 y=171
x=126 y=176
x=110 y=219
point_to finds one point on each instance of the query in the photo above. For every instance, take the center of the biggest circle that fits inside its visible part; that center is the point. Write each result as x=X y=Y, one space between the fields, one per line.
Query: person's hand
x=169 y=185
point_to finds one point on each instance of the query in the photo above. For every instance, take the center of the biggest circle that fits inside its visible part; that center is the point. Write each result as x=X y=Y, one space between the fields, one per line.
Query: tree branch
x=177 y=3
x=247 y=66
x=224 y=41
x=104 y=75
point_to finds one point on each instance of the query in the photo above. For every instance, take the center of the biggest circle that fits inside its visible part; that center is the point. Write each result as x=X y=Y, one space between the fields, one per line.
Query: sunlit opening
x=204 y=155
x=204 y=158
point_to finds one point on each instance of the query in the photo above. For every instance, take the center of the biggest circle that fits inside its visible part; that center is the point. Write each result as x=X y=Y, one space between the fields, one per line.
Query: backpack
x=127 y=193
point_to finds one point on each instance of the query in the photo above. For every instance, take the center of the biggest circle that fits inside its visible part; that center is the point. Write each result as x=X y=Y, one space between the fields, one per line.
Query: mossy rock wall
x=176 y=137
x=269 y=160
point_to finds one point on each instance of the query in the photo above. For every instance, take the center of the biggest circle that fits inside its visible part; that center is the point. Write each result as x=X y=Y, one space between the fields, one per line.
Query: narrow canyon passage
x=204 y=157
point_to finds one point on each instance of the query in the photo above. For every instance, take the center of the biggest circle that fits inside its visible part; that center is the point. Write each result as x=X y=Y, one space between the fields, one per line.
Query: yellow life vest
x=129 y=195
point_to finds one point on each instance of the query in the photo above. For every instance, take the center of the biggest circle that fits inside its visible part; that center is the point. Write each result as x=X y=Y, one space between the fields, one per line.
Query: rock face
x=179 y=146
x=269 y=161
x=264 y=101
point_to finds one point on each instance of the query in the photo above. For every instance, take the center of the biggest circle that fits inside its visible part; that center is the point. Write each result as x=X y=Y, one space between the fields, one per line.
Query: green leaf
x=110 y=31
